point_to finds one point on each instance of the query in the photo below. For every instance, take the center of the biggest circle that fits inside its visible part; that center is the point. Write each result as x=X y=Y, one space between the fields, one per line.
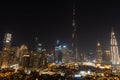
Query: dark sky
x=52 y=20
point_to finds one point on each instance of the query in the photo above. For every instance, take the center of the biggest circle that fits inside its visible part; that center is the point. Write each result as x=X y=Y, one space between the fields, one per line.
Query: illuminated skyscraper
x=107 y=56
x=43 y=59
x=114 y=50
x=58 y=52
x=74 y=38
x=7 y=38
x=7 y=41
x=6 y=51
x=23 y=53
x=99 y=53
x=38 y=45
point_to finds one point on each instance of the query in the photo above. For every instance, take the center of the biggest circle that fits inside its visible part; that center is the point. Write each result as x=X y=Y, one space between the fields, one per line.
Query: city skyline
x=53 y=21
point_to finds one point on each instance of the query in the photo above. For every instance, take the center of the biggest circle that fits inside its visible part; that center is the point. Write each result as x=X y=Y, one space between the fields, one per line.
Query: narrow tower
x=99 y=53
x=74 y=38
x=6 y=51
x=7 y=41
x=114 y=49
x=38 y=45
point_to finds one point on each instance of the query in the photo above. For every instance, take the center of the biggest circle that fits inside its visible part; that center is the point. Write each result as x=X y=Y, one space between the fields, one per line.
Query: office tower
x=24 y=56
x=66 y=55
x=58 y=52
x=38 y=45
x=35 y=60
x=7 y=41
x=6 y=51
x=114 y=50
x=99 y=53
x=43 y=58
x=107 y=56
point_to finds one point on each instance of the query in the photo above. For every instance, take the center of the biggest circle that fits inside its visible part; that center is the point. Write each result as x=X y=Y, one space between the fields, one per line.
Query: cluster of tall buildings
x=109 y=56
x=21 y=55
x=25 y=58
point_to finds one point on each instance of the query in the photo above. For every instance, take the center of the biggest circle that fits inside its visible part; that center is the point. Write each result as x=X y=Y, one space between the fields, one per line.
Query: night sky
x=51 y=21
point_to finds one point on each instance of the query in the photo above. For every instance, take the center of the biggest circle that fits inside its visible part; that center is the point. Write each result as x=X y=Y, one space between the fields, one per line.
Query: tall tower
x=58 y=52
x=114 y=50
x=99 y=53
x=74 y=37
x=7 y=41
x=6 y=51
x=38 y=45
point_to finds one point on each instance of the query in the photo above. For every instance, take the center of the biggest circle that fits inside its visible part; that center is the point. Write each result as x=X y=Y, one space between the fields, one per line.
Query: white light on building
x=114 y=50
x=8 y=37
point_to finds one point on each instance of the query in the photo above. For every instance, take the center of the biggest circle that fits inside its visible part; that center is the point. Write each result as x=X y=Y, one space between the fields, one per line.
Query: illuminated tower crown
x=7 y=38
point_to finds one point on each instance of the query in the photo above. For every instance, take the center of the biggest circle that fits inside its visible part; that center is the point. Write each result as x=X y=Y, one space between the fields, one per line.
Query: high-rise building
x=6 y=51
x=26 y=61
x=106 y=56
x=74 y=39
x=114 y=50
x=43 y=58
x=24 y=56
x=58 y=53
x=34 y=59
x=38 y=45
x=99 y=53
x=66 y=55
x=7 y=38
x=7 y=41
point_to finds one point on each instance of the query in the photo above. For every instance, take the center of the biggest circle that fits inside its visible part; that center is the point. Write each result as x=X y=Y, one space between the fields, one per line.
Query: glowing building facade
x=7 y=41
x=99 y=53
x=114 y=50
x=5 y=62
x=58 y=53
x=107 y=56
x=38 y=45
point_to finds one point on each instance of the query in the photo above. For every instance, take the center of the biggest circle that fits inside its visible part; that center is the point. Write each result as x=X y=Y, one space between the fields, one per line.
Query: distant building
x=24 y=56
x=99 y=53
x=66 y=55
x=7 y=41
x=26 y=61
x=58 y=53
x=35 y=59
x=50 y=56
x=114 y=50
x=43 y=59
x=107 y=56
x=6 y=51
x=7 y=38
x=38 y=45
